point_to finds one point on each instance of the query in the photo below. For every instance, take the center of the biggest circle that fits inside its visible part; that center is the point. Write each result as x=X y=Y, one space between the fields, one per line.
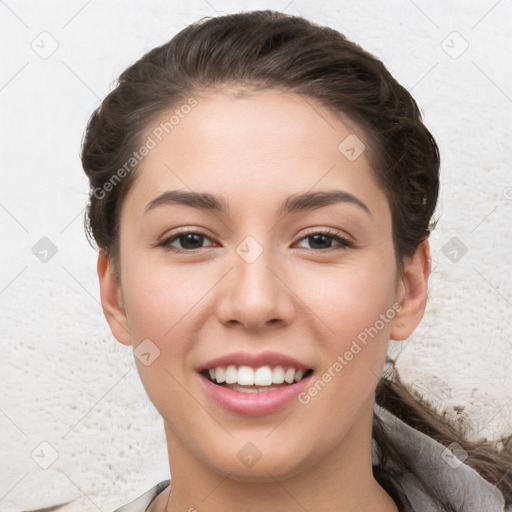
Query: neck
x=342 y=480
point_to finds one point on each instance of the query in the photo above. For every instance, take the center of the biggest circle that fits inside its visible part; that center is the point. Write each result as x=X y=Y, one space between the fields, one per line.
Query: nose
x=255 y=293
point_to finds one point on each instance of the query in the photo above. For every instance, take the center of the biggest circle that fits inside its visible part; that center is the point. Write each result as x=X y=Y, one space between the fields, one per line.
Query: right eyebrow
x=200 y=200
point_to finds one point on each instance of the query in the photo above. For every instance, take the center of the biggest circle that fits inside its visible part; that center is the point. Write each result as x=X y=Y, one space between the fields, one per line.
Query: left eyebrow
x=314 y=200
x=294 y=203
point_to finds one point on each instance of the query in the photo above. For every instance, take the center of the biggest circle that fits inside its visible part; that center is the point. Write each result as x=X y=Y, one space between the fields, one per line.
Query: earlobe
x=112 y=300
x=412 y=293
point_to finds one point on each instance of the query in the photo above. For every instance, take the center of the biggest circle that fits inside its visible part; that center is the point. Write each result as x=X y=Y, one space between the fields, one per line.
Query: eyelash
x=345 y=243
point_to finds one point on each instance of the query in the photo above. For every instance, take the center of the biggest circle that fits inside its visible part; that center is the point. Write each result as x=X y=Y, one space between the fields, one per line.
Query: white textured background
x=67 y=382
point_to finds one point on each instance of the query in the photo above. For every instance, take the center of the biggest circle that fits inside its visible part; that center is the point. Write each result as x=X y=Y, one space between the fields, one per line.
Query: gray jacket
x=443 y=474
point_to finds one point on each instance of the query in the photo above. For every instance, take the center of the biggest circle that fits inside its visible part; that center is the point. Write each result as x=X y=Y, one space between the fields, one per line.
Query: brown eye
x=189 y=241
x=322 y=241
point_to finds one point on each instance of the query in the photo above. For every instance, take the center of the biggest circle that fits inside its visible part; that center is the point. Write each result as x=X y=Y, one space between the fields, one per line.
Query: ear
x=112 y=300
x=412 y=293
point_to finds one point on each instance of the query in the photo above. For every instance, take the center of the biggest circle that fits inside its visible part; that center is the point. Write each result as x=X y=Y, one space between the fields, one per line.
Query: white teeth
x=262 y=376
x=289 y=376
x=245 y=390
x=220 y=374
x=253 y=390
x=278 y=375
x=246 y=376
x=231 y=374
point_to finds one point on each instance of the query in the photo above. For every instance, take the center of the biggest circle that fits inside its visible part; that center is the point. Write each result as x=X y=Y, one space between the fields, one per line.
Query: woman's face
x=256 y=281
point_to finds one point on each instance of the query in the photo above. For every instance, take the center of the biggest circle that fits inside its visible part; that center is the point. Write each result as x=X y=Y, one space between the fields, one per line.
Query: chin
x=261 y=470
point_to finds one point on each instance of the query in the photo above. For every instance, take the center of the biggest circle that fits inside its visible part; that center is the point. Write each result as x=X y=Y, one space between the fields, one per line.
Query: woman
x=261 y=194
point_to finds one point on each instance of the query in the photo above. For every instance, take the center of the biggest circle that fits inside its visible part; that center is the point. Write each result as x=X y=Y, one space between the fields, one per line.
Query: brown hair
x=270 y=50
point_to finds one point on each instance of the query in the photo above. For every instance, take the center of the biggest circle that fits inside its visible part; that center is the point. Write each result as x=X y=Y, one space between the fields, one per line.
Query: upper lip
x=254 y=360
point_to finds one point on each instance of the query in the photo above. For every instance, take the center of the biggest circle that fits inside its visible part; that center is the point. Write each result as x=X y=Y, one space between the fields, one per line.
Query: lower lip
x=254 y=404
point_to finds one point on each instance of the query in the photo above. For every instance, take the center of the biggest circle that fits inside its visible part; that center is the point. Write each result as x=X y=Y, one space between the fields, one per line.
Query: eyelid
x=344 y=241
x=165 y=240
x=334 y=233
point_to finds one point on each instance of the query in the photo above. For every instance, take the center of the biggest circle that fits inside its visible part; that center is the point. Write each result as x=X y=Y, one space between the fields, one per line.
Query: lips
x=268 y=358
x=253 y=404
x=276 y=381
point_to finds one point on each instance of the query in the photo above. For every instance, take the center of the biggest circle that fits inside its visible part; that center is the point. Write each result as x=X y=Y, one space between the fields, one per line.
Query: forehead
x=255 y=147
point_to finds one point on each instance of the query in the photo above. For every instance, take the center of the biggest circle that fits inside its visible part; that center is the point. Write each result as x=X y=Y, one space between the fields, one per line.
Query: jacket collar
x=444 y=475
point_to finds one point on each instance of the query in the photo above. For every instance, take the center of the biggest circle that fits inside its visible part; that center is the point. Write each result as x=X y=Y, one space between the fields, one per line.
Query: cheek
x=351 y=297
x=161 y=306
x=159 y=296
x=356 y=304
x=166 y=304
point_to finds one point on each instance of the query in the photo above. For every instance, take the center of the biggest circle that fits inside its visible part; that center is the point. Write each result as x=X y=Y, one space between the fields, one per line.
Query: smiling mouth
x=249 y=380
